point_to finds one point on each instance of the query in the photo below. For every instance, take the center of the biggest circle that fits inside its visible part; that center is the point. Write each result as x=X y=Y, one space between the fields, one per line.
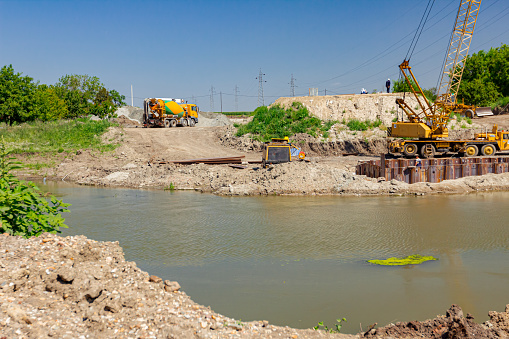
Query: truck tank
x=171 y=107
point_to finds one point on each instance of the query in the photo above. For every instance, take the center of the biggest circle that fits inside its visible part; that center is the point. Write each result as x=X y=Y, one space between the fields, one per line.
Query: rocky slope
x=74 y=287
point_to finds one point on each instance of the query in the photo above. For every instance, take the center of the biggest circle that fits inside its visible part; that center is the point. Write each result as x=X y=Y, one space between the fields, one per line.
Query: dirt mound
x=227 y=137
x=74 y=287
x=131 y=112
x=352 y=106
x=207 y=119
x=124 y=121
x=453 y=325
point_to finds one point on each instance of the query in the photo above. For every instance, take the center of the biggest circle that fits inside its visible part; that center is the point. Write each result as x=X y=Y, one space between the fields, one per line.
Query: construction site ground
x=143 y=160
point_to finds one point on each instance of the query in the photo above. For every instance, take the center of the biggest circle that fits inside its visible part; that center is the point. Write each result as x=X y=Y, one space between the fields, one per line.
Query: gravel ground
x=74 y=287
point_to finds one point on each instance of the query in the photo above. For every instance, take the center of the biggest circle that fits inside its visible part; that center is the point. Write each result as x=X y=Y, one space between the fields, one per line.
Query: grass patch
x=277 y=122
x=37 y=166
x=57 y=136
x=414 y=259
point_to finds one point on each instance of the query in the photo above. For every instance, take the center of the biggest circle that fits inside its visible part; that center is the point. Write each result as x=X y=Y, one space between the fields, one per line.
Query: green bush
x=357 y=125
x=277 y=122
x=24 y=211
x=501 y=102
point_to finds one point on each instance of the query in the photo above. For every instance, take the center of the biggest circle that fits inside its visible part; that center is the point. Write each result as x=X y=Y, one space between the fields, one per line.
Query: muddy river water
x=299 y=260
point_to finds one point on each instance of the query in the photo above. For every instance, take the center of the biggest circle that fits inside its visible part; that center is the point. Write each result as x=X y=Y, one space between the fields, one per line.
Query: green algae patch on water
x=414 y=259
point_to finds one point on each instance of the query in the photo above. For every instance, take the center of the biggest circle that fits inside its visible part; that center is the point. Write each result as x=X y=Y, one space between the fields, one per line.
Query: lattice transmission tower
x=292 y=85
x=261 y=99
x=212 y=99
x=236 y=91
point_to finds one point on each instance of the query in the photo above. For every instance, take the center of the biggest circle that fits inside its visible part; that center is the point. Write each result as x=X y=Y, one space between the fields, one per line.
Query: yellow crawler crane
x=428 y=125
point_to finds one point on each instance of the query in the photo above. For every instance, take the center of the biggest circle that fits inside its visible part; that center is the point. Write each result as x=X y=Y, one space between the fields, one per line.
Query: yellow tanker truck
x=166 y=112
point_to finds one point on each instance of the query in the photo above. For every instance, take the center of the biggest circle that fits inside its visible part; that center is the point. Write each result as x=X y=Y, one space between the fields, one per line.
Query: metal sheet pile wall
x=431 y=170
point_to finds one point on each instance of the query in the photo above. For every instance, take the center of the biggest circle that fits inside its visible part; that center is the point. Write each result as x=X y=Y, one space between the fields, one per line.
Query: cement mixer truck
x=167 y=112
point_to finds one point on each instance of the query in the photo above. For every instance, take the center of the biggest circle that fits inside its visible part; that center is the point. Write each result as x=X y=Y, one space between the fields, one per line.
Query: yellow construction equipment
x=280 y=150
x=164 y=112
x=428 y=124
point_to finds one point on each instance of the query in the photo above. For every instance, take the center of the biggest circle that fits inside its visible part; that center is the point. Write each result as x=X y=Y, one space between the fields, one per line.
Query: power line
x=419 y=30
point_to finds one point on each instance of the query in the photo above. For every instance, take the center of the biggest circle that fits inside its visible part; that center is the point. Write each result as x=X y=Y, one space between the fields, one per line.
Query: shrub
x=24 y=211
x=277 y=122
x=357 y=125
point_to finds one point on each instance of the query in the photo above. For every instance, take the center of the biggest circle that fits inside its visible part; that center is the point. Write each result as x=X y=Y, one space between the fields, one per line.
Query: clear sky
x=180 y=49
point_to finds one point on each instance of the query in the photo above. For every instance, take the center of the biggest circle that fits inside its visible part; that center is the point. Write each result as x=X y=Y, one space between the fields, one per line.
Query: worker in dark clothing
x=388 y=85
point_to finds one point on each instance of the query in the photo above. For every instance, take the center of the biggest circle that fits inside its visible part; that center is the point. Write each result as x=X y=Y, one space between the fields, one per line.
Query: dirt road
x=173 y=143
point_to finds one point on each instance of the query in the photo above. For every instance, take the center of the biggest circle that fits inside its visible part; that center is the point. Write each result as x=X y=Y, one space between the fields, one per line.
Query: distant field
x=237 y=113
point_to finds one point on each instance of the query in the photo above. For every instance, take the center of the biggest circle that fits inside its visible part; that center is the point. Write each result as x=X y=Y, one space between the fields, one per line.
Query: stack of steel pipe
x=432 y=170
x=211 y=161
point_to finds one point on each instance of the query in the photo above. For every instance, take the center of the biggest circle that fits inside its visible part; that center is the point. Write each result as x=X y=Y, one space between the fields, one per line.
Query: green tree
x=16 y=94
x=485 y=77
x=47 y=105
x=24 y=210
x=85 y=95
x=478 y=92
x=401 y=86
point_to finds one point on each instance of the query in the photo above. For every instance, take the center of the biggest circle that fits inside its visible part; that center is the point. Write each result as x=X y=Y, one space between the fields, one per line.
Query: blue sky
x=180 y=49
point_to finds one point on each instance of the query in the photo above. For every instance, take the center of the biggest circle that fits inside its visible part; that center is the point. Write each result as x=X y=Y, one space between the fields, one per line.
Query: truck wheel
x=488 y=150
x=471 y=151
x=173 y=123
x=410 y=150
x=167 y=123
x=469 y=113
x=192 y=123
x=428 y=151
x=183 y=122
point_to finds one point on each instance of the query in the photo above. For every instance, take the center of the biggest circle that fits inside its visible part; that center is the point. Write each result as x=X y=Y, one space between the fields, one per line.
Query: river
x=299 y=260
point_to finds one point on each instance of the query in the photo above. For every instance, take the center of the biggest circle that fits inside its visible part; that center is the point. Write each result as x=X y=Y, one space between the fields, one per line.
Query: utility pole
x=132 y=99
x=292 y=85
x=326 y=92
x=236 y=91
x=221 y=96
x=261 y=99
x=212 y=99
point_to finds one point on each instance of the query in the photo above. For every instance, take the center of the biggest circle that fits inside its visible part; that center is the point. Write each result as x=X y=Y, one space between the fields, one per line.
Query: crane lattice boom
x=457 y=53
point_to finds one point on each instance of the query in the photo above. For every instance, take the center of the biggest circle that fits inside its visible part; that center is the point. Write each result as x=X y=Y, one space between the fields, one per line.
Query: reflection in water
x=300 y=260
